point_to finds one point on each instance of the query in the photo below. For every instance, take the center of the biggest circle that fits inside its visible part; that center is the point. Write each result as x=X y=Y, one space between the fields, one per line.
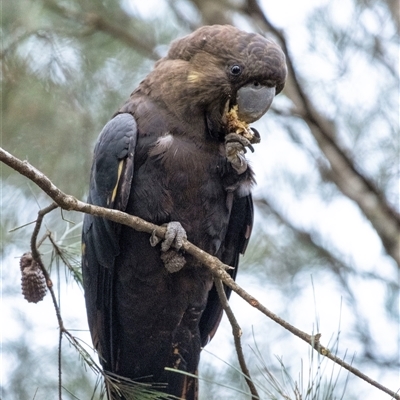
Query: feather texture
x=162 y=157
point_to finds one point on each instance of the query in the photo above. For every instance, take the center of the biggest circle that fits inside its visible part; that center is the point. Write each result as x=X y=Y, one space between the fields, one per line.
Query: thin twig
x=60 y=253
x=36 y=256
x=60 y=335
x=237 y=333
x=217 y=268
x=36 y=230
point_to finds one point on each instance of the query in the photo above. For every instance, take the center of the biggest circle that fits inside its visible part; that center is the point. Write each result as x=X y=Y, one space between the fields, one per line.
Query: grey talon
x=154 y=239
x=235 y=149
x=174 y=236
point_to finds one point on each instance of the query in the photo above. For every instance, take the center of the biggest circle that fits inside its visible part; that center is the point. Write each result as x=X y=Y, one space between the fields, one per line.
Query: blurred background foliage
x=328 y=181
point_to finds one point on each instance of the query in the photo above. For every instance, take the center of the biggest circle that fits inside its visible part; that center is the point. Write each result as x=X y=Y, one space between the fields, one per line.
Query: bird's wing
x=110 y=184
x=236 y=240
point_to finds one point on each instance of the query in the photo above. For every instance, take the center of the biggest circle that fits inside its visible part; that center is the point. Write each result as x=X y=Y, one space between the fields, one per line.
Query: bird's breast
x=191 y=181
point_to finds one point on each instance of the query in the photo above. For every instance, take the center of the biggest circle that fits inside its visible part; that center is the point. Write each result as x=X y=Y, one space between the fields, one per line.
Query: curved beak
x=253 y=101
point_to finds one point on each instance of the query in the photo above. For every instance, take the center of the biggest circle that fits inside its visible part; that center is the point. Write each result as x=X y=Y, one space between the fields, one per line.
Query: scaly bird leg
x=174 y=236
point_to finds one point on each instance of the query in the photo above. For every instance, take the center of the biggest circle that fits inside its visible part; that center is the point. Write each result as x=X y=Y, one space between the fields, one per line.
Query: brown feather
x=165 y=159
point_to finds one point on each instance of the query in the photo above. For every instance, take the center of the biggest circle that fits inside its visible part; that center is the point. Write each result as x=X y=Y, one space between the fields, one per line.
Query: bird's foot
x=174 y=237
x=235 y=148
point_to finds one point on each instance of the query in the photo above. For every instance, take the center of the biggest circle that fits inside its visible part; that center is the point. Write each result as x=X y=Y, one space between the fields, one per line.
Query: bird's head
x=218 y=68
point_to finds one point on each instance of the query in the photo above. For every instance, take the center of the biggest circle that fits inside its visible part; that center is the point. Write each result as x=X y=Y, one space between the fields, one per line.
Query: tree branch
x=216 y=267
x=36 y=256
x=237 y=333
x=345 y=175
x=96 y=22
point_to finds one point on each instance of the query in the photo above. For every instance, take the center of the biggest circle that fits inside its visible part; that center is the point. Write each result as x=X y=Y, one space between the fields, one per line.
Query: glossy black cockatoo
x=173 y=154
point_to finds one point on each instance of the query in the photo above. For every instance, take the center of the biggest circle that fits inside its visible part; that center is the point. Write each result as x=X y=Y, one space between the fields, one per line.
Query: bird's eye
x=236 y=70
x=256 y=84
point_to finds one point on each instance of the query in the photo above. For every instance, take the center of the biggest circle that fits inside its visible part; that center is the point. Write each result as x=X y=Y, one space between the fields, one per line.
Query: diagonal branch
x=345 y=174
x=217 y=268
x=95 y=22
